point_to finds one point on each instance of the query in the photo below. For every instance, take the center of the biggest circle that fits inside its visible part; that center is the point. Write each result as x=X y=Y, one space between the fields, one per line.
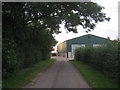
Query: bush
x=31 y=55
x=102 y=58
x=84 y=54
x=22 y=54
x=10 y=62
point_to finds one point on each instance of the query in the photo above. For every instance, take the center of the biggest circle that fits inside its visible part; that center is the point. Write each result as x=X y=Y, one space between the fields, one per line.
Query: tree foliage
x=105 y=58
x=86 y=14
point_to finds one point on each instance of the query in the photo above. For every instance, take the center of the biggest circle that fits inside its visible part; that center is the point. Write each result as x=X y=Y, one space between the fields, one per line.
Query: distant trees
x=28 y=29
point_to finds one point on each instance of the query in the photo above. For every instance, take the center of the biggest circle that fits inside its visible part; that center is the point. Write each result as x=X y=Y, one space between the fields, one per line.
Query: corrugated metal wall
x=88 y=40
x=62 y=49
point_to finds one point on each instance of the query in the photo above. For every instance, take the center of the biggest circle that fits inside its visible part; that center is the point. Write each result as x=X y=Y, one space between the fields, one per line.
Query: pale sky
x=103 y=29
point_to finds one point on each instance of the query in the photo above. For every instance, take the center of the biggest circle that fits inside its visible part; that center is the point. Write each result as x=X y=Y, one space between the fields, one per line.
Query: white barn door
x=74 y=46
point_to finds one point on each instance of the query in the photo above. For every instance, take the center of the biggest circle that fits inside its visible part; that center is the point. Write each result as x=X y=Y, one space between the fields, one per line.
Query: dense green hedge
x=24 y=43
x=17 y=56
x=10 y=64
x=102 y=58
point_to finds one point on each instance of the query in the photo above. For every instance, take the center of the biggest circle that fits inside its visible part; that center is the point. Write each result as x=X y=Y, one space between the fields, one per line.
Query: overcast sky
x=104 y=29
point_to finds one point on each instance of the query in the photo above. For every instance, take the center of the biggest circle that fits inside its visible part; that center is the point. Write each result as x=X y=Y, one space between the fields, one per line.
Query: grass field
x=26 y=75
x=94 y=78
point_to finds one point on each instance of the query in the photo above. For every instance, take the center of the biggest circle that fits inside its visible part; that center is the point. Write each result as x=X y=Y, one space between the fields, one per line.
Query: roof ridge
x=80 y=36
x=83 y=36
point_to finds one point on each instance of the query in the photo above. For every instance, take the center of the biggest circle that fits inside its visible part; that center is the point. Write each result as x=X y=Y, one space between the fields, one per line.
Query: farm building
x=67 y=48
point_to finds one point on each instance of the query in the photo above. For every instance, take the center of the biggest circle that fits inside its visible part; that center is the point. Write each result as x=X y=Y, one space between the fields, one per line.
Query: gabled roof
x=80 y=37
x=86 y=35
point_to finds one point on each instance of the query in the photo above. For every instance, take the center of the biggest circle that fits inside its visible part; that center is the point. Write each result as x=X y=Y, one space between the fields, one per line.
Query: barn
x=67 y=48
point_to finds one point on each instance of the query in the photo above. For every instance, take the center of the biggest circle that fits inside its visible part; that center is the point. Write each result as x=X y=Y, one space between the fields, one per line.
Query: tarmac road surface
x=61 y=74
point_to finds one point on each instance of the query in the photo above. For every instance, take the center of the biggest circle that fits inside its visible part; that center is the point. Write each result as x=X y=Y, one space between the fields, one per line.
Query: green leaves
x=10 y=62
x=27 y=38
x=103 y=58
x=52 y=14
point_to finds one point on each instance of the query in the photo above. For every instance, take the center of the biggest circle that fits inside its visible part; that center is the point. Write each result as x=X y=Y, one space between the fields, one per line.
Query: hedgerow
x=17 y=55
x=103 y=58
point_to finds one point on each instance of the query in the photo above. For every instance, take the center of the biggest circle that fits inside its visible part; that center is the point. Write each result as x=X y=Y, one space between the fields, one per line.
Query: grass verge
x=26 y=75
x=94 y=78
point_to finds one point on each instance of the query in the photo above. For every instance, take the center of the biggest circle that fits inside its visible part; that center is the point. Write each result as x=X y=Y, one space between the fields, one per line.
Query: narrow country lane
x=62 y=74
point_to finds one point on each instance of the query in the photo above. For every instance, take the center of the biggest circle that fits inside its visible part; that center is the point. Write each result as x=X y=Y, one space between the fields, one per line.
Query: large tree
x=50 y=15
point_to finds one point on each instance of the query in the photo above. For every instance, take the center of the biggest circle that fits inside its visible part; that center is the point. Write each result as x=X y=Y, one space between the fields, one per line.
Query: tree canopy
x=50 y=15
